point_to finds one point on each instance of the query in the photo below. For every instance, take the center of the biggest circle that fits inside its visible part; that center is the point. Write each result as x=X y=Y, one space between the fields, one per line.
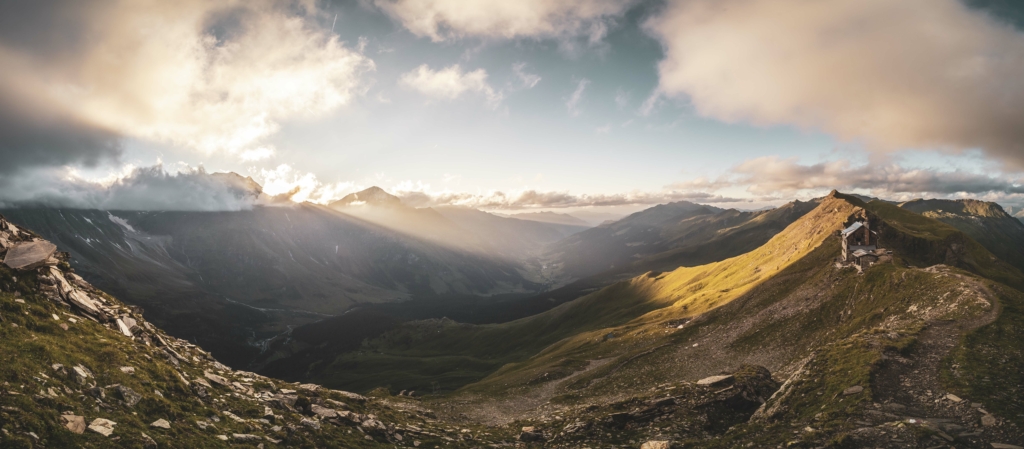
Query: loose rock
x=148 y=442
x=245 y=437
x=161 y=423
x=323 y=412
x=988 y=420
x=102 y=426
x=74 y=423
x=311 y=423
x=129 y=396
x=716 y=380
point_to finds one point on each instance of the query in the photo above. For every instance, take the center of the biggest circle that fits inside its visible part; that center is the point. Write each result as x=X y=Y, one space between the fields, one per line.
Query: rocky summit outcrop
x=30 y=255
x=21 y=251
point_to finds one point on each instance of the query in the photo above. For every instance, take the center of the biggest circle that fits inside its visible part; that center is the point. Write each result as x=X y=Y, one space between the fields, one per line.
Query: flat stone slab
x=715 y=380
x=29 y=255
x=323 y=412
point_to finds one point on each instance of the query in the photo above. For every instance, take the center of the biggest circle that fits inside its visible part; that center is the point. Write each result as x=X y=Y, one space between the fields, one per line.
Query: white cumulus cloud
x=905 y=74
x=212 y=76
x=450 y=83
x=286 y=183
x=452 y=19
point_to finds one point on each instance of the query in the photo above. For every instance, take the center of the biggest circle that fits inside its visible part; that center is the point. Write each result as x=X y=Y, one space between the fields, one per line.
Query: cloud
x=572 y=104
x=910 y=74
x=146 y=188
x=528 y=80
x=776 y=176
x=211 y=76
x=442 y=20
x=534 y=199
x=450 y=83
x=31 y=136
x=285 y=183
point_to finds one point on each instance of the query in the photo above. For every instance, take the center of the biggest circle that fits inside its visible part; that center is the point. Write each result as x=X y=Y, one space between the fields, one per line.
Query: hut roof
x=852 y=228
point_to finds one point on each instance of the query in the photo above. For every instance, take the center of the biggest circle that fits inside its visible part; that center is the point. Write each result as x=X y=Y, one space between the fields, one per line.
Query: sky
x=579 y=106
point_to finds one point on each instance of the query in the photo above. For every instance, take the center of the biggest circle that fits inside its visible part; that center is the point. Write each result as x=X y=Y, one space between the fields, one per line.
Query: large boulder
x=30 y=255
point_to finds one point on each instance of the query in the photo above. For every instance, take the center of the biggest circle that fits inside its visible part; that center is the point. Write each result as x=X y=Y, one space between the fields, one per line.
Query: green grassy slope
x=698 y=240
x=848 y=325
x=455 y=353
x=668 y=236
x=767 y=307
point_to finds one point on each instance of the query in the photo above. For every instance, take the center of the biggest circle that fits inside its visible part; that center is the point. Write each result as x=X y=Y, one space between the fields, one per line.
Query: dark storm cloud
x=36 y=134
x=33 y=138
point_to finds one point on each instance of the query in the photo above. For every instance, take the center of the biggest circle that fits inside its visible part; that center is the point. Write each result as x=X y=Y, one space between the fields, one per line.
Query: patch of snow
x=120 y=222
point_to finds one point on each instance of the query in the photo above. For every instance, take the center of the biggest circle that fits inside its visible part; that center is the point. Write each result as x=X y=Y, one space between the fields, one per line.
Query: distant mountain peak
x=374 y=196
x=965 y=207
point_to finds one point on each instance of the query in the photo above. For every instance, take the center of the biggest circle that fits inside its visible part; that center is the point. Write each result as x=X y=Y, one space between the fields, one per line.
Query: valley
x=853 y=356
x=229 y=280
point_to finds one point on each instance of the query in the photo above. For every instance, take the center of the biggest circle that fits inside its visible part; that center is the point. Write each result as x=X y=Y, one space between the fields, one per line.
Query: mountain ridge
x=790 y=329
x=675 y=308
x=986 y=222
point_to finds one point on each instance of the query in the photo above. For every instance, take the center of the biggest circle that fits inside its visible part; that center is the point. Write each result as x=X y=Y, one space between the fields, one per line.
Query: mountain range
x=680 y=326
x=229 y=280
